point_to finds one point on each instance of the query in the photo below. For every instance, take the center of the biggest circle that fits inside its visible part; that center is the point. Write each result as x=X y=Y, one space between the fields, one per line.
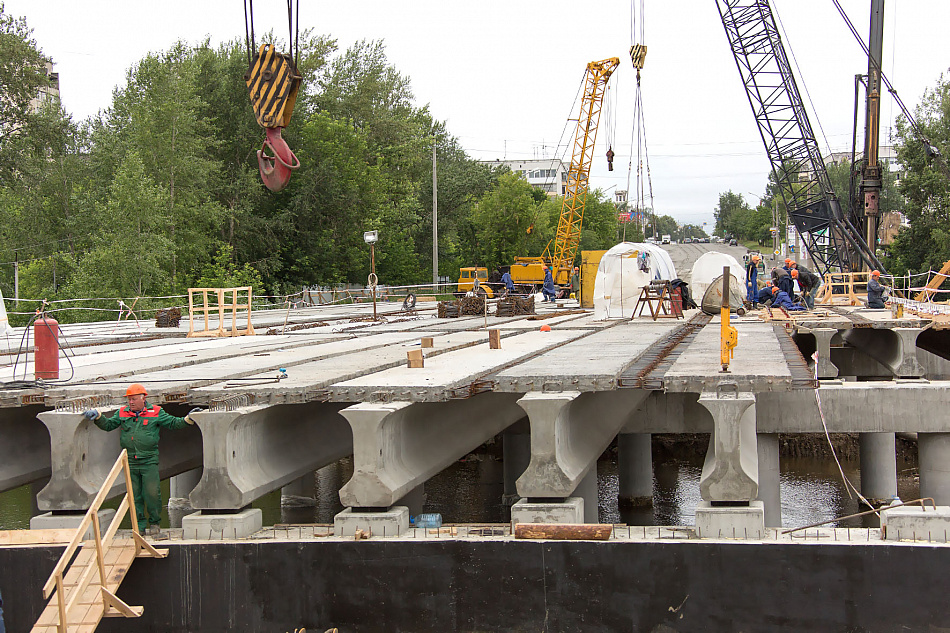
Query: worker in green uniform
x=140 y=425
x=576 y=284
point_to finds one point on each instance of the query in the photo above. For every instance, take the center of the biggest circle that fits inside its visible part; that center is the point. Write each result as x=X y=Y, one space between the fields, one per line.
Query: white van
x=666 y=239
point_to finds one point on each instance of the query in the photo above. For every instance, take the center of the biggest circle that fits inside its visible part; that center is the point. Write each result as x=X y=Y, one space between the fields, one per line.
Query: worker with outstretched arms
x=875 y=290
x=140 y=424
x=751 y=280
x=780 y=299
x=548 y=289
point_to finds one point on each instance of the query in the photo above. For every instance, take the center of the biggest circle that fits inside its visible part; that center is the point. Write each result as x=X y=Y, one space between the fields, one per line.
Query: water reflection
x=470 y=491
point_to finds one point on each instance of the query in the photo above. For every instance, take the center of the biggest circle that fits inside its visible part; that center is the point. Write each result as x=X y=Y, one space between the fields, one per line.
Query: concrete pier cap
x=731 y=470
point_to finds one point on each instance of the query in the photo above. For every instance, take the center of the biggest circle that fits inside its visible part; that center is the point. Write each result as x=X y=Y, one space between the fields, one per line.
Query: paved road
x=685 y=255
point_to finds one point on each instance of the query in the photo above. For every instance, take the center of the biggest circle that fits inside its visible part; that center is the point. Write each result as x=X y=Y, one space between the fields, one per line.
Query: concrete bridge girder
x=895 y=348
x=569 y=431
x=731 y=470
x=82 y=454
x=397 y=446
x=254 y=450
x=25 y=449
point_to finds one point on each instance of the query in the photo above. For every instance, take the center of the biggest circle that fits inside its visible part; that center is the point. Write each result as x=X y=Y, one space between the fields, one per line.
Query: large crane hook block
x=272 y=83
x=277 y=167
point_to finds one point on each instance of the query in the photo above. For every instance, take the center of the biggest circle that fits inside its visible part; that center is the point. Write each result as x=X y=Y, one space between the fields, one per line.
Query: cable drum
x=372 y=280
x=410 y=302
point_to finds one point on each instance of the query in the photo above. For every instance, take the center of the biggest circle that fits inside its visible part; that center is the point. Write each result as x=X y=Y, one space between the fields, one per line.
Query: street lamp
x=371 y=237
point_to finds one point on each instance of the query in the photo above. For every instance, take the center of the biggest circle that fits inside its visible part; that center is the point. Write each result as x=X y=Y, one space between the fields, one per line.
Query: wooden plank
x=564 y=531
x=35 y=537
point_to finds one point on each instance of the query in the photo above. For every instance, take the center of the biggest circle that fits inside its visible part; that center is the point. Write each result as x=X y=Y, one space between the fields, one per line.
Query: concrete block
x=25 y=449
x=913 y=523
x=391 y=522
x=200 y=526
x=731 y=469
x=571 y=510
x=745 y=522
x=50 y=521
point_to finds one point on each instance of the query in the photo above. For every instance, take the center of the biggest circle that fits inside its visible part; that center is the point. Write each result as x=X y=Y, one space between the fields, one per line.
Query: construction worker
x=140 y=425
x=509 y=284
x=780 y=299
x=875 y=290
x=576 y=284
x=548 y=289
x=751 y=280
x=764 y=295
x=783 y=280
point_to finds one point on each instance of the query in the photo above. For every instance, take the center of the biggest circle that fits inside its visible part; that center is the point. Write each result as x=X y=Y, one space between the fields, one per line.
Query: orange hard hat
x=787 y=261
x=875 y=273
x=795 y=273
x=755 y=258
x=545 y=328
x=774 y=289
x=135 y=389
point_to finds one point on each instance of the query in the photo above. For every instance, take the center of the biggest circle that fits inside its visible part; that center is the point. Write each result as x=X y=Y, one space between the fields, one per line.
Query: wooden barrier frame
x=222 y=309
x=845 y=284
x=112 y=605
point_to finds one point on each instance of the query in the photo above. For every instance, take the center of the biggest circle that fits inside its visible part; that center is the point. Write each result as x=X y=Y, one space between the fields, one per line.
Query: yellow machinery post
x=729 y=336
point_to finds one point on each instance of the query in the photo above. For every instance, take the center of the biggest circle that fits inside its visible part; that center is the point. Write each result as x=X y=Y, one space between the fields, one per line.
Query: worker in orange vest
x=140 y=425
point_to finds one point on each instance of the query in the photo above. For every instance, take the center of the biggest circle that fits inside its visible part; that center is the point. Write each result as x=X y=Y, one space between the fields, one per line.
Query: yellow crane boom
x=568 y=235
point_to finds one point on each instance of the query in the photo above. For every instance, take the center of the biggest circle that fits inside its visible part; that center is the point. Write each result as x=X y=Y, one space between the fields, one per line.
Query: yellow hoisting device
x=729 y=336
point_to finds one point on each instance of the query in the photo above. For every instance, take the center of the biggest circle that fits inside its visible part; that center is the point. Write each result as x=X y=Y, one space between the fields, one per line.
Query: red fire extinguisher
x=46 y=348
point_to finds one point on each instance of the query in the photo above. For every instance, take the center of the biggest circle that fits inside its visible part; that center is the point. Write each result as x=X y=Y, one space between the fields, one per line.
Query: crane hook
x=276 y=169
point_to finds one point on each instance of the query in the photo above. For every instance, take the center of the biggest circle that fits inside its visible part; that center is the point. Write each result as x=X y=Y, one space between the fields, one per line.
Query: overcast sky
x=503 y=75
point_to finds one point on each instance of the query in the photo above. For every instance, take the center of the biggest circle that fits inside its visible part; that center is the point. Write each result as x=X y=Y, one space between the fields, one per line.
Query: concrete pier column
x=300 y=493
x=24 y=448
x=569 y=431
x=415 y=499
x=878 y=467
x=516 y=454
x=933 y=453
x=82 y=455
x=729 y=483
x=397 y=446
x=635 y=469
x=769 y=478
x=587 y=490
x=909 y=367
x=823 y=341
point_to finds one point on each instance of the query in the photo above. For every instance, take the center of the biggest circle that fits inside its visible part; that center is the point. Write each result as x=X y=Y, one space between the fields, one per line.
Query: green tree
x=925 y=244
x=732 y=214
x=502 y=218
x=222 y=272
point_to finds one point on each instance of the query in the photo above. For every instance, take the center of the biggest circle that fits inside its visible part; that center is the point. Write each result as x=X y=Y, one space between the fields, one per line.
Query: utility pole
x=871 y=174
x=435 y=222
x=16 y=279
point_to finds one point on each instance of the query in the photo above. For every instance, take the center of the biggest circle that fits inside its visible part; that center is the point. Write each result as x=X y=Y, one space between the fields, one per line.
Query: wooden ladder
x=83 y=592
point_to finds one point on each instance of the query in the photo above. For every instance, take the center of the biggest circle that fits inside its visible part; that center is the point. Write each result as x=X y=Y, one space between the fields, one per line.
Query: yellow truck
x=474 y=278
x=527 y=273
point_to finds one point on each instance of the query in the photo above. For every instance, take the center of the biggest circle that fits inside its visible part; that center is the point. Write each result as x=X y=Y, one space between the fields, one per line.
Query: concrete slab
x=758 y=365
x=201 y=526
x=592 y=363
x=444 y=376
x=50 y=521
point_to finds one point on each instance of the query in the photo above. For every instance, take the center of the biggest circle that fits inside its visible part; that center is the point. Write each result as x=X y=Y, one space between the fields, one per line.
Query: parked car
x=688 y=240
x=733 y=242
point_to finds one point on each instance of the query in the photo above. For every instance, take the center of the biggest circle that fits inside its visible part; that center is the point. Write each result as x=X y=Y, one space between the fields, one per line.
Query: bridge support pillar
x=414 y=500
x=769 y=476
x=300 y=493
x=397 y=446
x=823 y=340
x=587 y=490
x=878 y=467
x=933 y=451
x=516 y=447
x=729 y=482
x=635 y=469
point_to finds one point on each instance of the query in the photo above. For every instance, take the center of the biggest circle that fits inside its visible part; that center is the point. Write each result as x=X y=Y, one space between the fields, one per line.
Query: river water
x=470 y=491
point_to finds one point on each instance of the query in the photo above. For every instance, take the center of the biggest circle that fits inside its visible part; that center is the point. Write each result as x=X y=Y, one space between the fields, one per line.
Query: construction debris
x=564 y=531
x=167 y=317
x=515 y=306
x=466 y=306
x=294 y=328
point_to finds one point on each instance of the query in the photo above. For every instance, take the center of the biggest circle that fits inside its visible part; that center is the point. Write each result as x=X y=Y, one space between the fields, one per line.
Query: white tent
x=709 y=266
x=624 y=270
x=5 y=328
